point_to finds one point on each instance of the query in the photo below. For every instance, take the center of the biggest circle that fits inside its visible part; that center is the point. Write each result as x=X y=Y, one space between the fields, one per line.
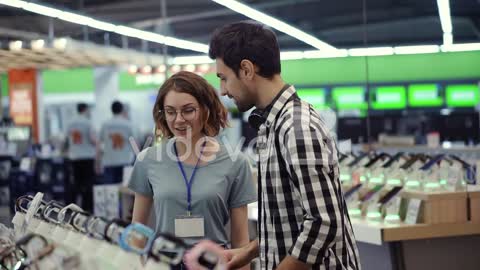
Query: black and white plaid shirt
x=302 y=211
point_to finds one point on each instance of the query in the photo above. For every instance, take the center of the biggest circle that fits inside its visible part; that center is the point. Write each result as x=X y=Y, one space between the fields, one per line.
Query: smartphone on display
x=370 y=193
x=357 y=159
x=342 y=157
x=352 y=190
x=409 y=162
x=387 y=197
x=376 y=159
x=432 y=162
x=392 y=160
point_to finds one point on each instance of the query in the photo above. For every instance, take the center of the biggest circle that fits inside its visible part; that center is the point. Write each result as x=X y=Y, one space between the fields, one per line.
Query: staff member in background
x=116 y=151
x=303 y=218
x=193 y=183
x=81 y=143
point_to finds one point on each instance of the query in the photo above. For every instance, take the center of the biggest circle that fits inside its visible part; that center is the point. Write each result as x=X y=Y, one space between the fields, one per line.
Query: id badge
x=189 y=226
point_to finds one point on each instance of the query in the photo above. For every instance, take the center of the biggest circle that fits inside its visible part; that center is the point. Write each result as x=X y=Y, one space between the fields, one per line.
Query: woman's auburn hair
x=213 y=113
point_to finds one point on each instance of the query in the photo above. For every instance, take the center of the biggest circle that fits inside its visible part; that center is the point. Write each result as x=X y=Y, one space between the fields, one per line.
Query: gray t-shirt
x=219 y=185
x=80 y=144
x=115 y=136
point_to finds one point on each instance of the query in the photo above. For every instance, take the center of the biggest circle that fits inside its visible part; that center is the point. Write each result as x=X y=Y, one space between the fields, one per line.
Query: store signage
x=23 y=98
x=424 y=95
x=462 y=95
x=314 y=96
x=389 y=97
x=349 y=97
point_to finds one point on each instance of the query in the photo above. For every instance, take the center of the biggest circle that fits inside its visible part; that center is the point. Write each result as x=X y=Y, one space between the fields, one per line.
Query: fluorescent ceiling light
x=185 y=44
x=291 y=55
x=461 y=47
x=371 y=51
x=445 y=17
x=13 y=3
x=145 y=35
x=328 y=54
x=105 y=26
x=417 y=49
x=39 y=9
x=295 y=55
x=185 y=60
x=275 y=23
x=74 y=18
x=102 y=25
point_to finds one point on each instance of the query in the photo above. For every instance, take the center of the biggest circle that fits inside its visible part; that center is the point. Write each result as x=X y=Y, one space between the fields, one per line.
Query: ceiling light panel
x=275 y=23
x=105 y=26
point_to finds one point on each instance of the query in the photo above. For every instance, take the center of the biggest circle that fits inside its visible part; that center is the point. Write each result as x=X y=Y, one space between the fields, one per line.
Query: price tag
x=25 y=164
x=12 y=149
x=412 y=211
x=393 y=208
x=454 y=176
x=477 y=177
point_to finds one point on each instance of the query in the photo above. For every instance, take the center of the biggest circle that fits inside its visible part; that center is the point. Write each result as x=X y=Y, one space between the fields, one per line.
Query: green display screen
x=389 y=98
x=462 y=95
x=348 y=98
x=424 y=95
x=314 y=96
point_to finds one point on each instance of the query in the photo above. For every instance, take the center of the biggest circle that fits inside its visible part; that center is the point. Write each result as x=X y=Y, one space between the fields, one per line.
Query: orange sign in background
x=23 y=98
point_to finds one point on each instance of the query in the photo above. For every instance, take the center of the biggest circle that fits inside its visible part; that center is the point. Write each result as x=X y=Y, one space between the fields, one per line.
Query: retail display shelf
x=427 y=231
x=378 y=232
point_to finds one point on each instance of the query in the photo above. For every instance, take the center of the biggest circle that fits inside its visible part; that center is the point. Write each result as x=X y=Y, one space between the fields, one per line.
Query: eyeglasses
x=188 y=113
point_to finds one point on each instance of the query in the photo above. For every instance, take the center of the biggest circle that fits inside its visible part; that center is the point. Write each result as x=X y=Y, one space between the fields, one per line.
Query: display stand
x=384 y=246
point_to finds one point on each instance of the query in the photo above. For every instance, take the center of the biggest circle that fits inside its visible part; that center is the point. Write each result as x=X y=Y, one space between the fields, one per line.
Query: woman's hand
x=193 y=255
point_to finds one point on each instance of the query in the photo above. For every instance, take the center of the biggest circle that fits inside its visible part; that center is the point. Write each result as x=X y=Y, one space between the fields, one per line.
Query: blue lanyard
x=188 y=183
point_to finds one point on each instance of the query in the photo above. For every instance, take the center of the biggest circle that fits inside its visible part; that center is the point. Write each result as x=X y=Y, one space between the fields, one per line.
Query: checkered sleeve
x=310 y=154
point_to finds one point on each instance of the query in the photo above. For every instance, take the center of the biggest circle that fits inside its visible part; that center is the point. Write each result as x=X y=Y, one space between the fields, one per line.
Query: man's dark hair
x=82 y=107
x=247 y=40
x=117 y=107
